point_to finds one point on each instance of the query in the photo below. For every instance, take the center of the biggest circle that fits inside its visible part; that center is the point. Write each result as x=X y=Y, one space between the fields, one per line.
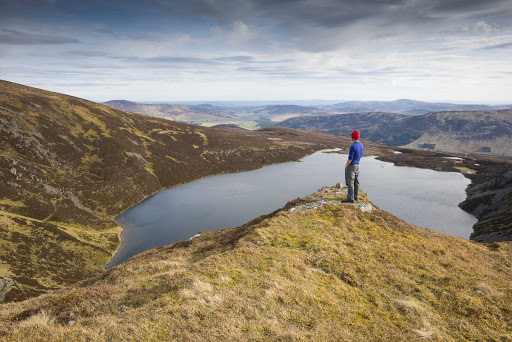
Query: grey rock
x=5 y=286
x=364 y=207
x=71 y=323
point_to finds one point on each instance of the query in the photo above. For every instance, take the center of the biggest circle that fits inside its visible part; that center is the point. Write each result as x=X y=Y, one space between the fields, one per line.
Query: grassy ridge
x=326 y=274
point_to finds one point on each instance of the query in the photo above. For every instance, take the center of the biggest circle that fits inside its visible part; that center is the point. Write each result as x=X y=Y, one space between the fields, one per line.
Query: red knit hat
x=355 y=135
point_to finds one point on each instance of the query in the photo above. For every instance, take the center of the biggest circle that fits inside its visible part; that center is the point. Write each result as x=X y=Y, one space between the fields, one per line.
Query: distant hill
x=467 y=131
x=289 y=109
x=229 y=127
x=183 y=113
x=208 y=114
x=404 y=106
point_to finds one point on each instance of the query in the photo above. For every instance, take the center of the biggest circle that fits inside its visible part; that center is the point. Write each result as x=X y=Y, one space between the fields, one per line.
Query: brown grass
x=329 y=274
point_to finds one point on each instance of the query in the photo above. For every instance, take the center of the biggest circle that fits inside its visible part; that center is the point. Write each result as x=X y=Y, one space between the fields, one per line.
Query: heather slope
x=68 y=166
x=331 y=272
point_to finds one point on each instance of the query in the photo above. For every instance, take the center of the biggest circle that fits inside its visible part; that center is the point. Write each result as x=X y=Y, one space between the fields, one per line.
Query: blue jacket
x=356 y=152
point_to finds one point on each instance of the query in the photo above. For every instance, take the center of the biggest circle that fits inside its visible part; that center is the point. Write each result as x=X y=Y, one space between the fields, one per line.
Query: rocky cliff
x=491 y=203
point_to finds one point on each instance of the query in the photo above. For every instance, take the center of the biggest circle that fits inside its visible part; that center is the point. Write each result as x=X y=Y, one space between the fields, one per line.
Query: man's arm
x=351 y=153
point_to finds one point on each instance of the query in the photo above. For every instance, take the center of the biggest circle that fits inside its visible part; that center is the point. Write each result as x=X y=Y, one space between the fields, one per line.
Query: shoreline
x=120 y=236
x=377 y=156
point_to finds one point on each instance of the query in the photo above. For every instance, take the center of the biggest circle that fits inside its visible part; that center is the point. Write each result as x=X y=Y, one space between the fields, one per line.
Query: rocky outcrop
x=331 y=195
x=491 y=203
x=5 y=286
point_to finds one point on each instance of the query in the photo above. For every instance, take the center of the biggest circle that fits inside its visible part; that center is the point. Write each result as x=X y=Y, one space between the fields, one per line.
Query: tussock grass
x=41 y=320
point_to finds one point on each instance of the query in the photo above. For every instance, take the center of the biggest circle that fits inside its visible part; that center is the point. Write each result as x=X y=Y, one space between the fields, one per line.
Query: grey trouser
x=352 y=181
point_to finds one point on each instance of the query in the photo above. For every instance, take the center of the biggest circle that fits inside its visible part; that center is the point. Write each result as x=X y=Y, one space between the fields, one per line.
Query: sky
x=221 y=50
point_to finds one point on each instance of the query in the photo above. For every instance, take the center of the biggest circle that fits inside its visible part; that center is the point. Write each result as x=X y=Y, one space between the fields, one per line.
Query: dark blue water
x=422 y=197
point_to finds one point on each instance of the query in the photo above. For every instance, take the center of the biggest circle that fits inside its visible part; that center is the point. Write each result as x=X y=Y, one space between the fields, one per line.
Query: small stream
x=422 y=197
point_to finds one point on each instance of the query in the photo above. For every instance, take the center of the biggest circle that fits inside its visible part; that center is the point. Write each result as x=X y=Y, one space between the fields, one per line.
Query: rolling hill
x=207 y=114
x=466 y=132
x=183 y=113
x=405 y=106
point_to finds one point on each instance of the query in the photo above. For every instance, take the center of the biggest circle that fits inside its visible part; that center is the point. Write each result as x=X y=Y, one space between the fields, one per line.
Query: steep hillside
x=467 y=132
x=404 y=106
x=68 y=166
x=317 y=270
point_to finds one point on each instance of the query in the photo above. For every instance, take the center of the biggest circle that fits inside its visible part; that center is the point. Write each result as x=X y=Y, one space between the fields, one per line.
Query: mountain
x=197 y=113
x=467 y=132
x=68 y=166
x=316 y=270
x=230 y=127
x=403 y=106
x=207 y=114
x=288 y=109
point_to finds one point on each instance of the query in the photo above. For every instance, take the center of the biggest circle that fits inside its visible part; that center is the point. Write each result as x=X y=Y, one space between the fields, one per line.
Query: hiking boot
x=347 y=201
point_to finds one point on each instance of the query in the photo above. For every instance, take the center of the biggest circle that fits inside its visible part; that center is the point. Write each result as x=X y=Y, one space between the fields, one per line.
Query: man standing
x=352 y=168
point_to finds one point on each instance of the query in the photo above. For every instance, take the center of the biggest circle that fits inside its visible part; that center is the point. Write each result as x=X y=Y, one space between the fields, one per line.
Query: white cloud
x=481 y=26
x=238 y=34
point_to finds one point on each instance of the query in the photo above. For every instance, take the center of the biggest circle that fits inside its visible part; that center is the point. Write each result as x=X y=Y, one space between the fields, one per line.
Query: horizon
x=255 y=50
x=308 y=102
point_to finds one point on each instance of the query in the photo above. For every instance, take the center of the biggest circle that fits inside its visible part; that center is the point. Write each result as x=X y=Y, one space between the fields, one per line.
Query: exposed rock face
x=5 y=286
x=491 y=203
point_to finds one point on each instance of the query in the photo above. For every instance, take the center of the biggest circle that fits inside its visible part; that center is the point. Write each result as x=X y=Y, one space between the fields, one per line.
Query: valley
x=70 y=165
